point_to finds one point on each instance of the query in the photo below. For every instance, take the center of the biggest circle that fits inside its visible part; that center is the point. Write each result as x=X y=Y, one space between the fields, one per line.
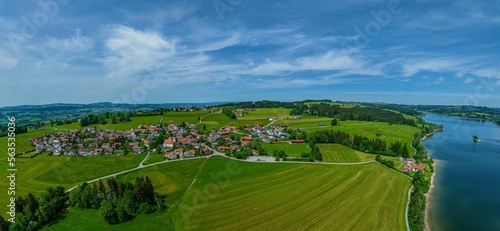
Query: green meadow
x=170 y=180
x=292 y=150
x=338 y=153
x=357 y=197
x=273 y=197
x=262 y=115
x=371 y=130
x=36 y=174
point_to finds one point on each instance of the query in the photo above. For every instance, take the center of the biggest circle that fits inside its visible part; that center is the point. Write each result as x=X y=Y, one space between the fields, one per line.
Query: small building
x=190 y=153
x=168 y=143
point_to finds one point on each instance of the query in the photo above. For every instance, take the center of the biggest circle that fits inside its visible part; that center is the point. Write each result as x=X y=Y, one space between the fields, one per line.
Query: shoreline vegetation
x=431 y=187
x=421 y=182
x=427 y=196
x=426 y=136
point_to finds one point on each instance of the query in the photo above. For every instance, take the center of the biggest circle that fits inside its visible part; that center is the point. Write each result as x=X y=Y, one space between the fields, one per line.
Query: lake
x=466 y=193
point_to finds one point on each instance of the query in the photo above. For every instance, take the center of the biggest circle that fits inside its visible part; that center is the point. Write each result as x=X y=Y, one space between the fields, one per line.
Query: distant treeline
x=261 y=104
x=470 y=112
x=103 y=118
x=19 y=130
x=353 y=113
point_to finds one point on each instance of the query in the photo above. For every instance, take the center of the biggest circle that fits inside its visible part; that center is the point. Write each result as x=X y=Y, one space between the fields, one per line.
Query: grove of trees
x=118 y=202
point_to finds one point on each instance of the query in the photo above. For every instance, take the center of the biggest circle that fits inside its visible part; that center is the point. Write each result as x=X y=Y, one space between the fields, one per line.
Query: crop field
x=293 y=150
x=341 y=154
x=269 y=196
x=170 y=180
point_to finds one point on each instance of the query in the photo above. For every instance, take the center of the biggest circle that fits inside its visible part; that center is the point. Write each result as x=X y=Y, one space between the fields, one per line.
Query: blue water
x=466 y=193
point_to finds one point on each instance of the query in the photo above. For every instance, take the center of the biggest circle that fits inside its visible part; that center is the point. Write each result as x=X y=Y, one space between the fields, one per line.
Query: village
x=173 y=140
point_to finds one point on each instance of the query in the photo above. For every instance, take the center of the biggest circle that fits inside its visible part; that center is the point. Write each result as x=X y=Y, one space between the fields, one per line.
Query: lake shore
x=426 y=136
x=427 y=196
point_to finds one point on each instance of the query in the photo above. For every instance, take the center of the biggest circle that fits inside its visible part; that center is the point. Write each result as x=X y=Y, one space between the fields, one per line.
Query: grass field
x=371 y=130
x=294 y=197
x=154 y=158
x=36 y=174
x=261 y=197
x=262 y=115
x=217 y=120
x=259 y=116
x=293 y=150
x=170 y=180
x=341 y=154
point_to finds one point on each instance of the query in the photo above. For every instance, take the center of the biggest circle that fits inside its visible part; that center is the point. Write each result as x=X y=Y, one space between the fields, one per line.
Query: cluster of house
x=88 y=141
x=266 y=133
x=412 y=166
x=185 y=141
x=182 y=141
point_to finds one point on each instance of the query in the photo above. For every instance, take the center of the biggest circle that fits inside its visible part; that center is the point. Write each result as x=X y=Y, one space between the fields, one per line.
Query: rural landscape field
x=346 y=189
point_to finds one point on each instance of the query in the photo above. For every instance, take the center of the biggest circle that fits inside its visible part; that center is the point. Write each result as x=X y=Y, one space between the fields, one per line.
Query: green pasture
x=294 y=197
x=292 y=150
x=170 y=180
x=341 y=154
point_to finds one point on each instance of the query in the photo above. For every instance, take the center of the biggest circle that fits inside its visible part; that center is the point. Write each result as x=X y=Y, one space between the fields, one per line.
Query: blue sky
x=412 y=52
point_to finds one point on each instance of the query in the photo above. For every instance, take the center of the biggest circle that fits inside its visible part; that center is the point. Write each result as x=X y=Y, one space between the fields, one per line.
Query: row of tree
x=352 y=113
x=358 y=142
x=416 y=210
x=118 y=202
x=4 y=130
x=32 y=212
x=103 y=118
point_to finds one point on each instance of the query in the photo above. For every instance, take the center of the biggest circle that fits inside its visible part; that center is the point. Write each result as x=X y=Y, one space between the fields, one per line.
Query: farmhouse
x=168 y=143
x=190 y=153
x=296 y=141
x=171 y=155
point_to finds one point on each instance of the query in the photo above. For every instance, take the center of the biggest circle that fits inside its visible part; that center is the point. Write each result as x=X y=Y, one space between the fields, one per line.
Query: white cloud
x=439 y=80
x=468 y=80
x=459 y=74
x=435 y=65
x=76 y=43
x=234 y=39
x=332 y=60
x=130 y=51
x=7 y=62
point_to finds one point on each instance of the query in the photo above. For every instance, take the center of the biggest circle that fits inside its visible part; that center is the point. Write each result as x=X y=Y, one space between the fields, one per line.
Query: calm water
x=466 y=193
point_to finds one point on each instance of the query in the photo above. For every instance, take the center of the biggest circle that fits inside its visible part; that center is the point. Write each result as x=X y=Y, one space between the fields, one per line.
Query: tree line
x=354 y=113
x=358 y=142
x=118 y=202
x=32 y=212
x=416 y=210
x=19 y=130
x=103 y=118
